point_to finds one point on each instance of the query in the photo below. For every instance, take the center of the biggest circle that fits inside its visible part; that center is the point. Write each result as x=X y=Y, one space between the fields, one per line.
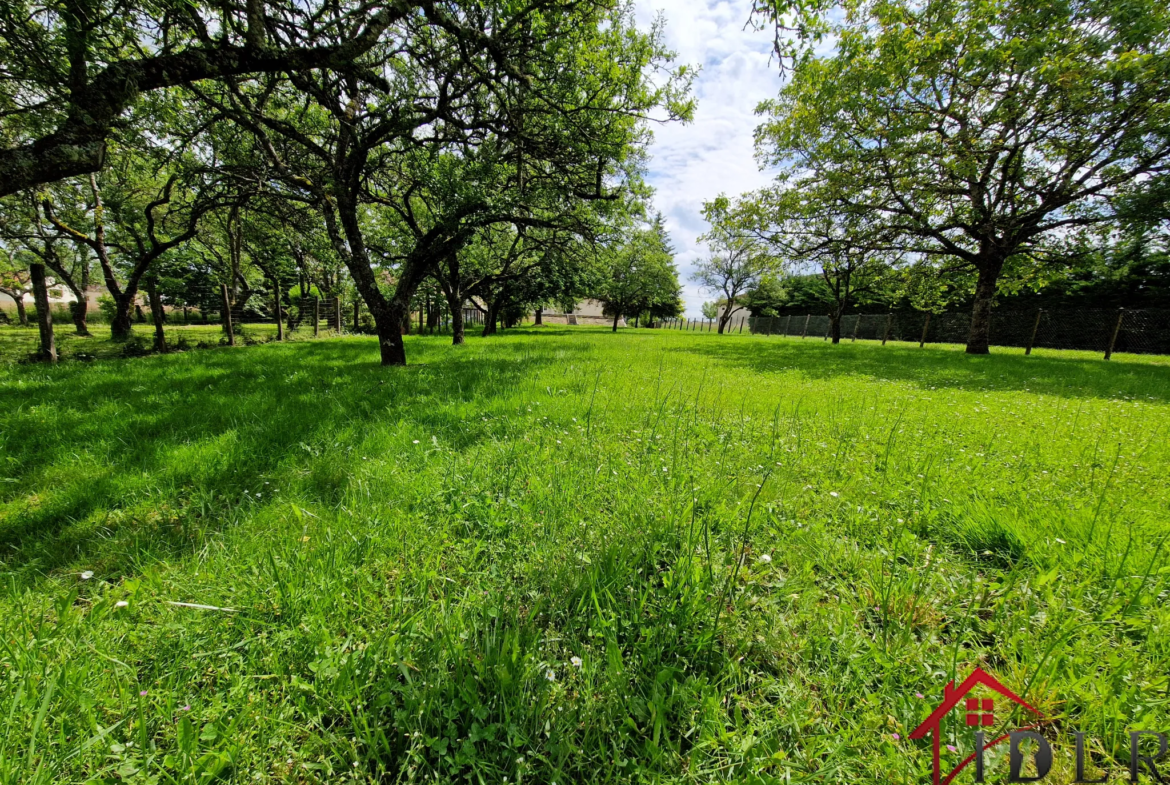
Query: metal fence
x=1108 y=330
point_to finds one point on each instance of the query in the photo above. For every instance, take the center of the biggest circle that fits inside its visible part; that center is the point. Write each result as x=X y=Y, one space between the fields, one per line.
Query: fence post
x=316 y=316
x=1116 y=330
x=889 y=324
x=1035 y=329
x=741 y=325
x=787 y=324
x=925 y=327
x=279 y=314
x=828 y=329
x=357 y=307
x=804 y=332
x=227 y=315
x=856 y=327
x=337 y=314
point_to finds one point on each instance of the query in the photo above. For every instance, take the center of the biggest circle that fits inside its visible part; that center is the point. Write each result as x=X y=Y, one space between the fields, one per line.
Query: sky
x=694 y=163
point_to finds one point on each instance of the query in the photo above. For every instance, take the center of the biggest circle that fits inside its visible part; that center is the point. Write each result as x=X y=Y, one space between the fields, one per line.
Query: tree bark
x=158 y=315
x=21 y=313
x=617 y=315
x=979 y=336
x=455 y=305
x=489 y=320
x=123 y=321
x=48 y=345
x=389 y=329
x=835 y=326
x=538 y=321
x=78 y=311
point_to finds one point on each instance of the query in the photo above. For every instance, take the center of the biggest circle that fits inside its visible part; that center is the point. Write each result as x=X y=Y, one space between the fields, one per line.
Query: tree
x=498 y=116
x=70 y=70
x=151 y=210
x=850 y=253
x=16 y=283
x=641 y=276
x=710 y=310
x=981 y=133
x=767 y=297
x=737 y=260
x=23 y=227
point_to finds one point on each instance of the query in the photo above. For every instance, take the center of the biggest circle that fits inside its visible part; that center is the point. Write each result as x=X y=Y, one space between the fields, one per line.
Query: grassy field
x=564 y=555
x=17 y=344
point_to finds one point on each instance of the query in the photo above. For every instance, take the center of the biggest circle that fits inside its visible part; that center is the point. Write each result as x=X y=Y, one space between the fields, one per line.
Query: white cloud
x=694 y=163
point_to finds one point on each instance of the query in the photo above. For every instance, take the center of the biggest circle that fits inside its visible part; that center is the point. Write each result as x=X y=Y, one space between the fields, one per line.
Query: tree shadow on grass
x=1063 y=376
x=83 y=443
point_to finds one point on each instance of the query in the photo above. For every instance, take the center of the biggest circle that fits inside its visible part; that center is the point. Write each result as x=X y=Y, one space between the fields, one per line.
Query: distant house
x=584 y=312
x=60 y=296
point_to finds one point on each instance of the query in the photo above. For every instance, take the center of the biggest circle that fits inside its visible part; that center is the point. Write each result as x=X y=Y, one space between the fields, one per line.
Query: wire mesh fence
x=1107 y=330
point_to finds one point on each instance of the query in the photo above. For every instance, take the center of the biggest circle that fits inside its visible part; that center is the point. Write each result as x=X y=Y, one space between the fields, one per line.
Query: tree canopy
x=983 y=136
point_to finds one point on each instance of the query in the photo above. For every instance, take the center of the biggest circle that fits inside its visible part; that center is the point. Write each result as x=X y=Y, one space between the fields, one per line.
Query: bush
x=107 y=307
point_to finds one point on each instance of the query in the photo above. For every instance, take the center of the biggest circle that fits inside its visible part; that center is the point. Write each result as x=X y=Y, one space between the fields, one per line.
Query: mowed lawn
x=564 y=555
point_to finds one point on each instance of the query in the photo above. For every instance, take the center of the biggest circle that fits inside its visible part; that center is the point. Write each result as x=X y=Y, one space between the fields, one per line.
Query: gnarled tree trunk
x=979 y=335
x=48 y=345
x=835 y=325
x=123 y=321
x=455 y=305
x=21 y=313
x=79 y=310
x=489 y=320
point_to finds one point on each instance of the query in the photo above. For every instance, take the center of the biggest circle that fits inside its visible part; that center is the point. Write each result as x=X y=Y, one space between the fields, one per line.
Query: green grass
x=759 y=550
x=17 y=344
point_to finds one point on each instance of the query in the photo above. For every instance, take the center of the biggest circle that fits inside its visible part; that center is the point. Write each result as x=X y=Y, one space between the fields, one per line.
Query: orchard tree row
x=488 y=153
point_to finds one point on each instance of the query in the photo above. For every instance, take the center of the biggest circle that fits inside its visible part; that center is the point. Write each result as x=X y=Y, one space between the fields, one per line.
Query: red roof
x=951 y=696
